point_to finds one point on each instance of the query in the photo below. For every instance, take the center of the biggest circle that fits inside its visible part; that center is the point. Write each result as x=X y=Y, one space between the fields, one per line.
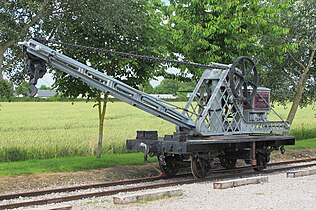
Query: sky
x=47 y=80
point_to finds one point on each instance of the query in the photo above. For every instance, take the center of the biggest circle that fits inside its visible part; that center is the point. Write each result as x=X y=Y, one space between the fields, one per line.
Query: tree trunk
x=300 y=88
x=1 y=65
x=102 y=110
x=298 y=96
x=3 y=48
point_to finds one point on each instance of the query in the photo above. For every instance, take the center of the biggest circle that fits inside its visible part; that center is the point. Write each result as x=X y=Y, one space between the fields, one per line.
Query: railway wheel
x=169 y=165
x=228 y=163
x=199 y=167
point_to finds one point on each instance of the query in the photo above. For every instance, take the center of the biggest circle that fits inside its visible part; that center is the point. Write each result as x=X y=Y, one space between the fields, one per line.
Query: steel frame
x=211 y=110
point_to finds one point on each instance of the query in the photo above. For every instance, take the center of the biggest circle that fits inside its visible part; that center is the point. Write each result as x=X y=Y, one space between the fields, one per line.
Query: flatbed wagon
x=174 y=152
x=198 y=144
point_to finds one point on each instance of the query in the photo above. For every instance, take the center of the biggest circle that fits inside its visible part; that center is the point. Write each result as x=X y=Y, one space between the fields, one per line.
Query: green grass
x=41 y=130
x=304 y=124
x=69 y=164
x=304 y=144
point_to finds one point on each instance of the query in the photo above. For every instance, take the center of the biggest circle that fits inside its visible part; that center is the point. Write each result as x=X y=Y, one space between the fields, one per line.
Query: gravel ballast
x=279 y=193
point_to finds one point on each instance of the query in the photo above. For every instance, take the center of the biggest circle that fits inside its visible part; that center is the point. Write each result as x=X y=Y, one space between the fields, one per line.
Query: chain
x=131 y=55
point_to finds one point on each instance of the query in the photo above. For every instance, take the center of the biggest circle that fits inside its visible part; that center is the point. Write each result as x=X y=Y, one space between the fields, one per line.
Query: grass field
x=40 y=130
x=67 y=164
x=304 y=124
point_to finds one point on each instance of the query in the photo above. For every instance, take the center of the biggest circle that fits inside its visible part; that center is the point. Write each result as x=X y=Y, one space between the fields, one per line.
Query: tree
x=294 y=79
x=6 y=89
x=23 y=89
x=146 y=88
x=131 y=26
x=167 y=86
x=176 y=87
x=17 y=20
x=44 y=87
x=220 y=31
x=184 y=89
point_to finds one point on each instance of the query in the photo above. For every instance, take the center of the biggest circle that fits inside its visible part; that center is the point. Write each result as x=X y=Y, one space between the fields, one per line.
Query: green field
x=67 y=164
x=40 y=130
x=304 y=124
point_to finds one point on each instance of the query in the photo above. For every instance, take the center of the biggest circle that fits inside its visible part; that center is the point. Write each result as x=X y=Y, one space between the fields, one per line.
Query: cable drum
x=243 y=78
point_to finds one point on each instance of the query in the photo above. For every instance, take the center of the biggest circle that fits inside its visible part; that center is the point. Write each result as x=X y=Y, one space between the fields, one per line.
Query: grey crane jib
x=106 y=83
x=219 y=105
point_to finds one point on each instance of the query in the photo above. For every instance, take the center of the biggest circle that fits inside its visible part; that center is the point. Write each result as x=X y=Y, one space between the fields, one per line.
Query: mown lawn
x=304 y=144
x=41 y=130
x=70 y=164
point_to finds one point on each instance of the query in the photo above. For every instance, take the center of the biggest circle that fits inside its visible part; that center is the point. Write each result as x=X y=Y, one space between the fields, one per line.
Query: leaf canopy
x=131 y=26
x=206 y=31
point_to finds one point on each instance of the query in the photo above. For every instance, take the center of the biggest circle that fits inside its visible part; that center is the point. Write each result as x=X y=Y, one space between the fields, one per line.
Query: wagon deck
x=200 y=144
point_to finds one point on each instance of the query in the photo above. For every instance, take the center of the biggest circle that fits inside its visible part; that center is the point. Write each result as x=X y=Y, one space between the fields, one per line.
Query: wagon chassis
x=173 y=154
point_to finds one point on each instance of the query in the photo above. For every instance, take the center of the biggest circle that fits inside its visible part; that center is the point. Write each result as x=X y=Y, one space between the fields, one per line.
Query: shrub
x=6 y=89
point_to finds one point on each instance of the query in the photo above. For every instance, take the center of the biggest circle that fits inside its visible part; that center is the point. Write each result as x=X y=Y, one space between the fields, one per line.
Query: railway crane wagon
x=225 y=118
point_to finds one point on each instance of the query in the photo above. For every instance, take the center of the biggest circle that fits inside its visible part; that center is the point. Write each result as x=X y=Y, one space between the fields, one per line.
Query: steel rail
x=292 y=161
x=80 y=187
x=153 y=186
x=133 y=181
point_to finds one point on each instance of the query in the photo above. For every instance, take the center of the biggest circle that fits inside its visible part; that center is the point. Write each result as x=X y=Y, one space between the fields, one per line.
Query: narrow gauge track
x=129 y=181
x=80 y=187
x=142 y=187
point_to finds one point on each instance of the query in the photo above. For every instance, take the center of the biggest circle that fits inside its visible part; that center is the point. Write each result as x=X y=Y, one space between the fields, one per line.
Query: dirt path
x=11 y=184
